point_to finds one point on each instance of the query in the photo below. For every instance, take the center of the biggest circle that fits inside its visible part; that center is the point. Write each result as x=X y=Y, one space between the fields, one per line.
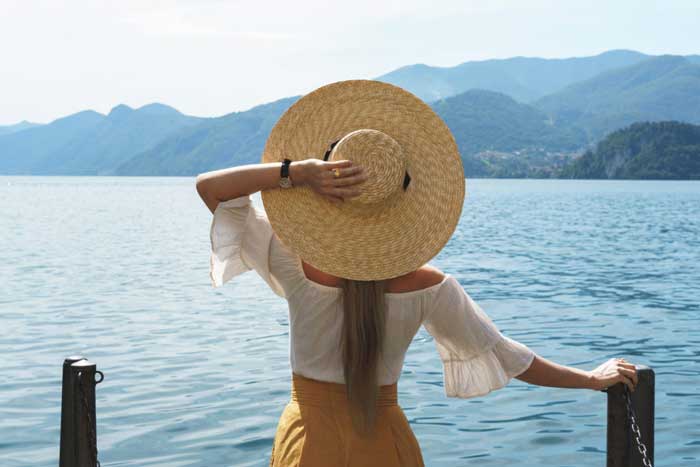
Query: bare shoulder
x=422 y=278
x=429 y=275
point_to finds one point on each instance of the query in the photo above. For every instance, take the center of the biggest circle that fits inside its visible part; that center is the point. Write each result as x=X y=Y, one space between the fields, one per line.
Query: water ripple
x=117 y=269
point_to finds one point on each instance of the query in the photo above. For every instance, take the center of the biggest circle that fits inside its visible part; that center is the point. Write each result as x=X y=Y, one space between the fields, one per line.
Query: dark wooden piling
x=78 y=415
x=623 y=448
x=67 y=455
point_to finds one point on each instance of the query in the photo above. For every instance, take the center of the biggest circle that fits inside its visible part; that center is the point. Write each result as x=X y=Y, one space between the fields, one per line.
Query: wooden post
x=78 y=422
x=67 y=455
x=622 y=449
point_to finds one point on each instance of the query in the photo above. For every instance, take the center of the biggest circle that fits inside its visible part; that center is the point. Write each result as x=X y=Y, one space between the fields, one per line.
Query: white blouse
x=476 y=357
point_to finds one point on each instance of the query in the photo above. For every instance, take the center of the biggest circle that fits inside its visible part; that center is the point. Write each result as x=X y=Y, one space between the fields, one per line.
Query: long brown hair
x=361 y=343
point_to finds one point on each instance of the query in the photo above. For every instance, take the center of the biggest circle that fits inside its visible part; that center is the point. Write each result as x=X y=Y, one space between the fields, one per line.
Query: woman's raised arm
x=543 y=372
x=225 y=184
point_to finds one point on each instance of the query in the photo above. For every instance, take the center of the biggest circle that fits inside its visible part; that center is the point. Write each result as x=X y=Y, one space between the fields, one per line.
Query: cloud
x=187 y=22
x=210 y=57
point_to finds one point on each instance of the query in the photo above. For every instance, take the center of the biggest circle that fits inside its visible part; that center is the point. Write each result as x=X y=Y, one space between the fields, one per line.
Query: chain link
x=92 y=436
x=631 y=416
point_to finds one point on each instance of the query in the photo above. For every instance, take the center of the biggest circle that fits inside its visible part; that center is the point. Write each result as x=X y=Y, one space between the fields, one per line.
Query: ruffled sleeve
x=476 y=357
x=242 y=239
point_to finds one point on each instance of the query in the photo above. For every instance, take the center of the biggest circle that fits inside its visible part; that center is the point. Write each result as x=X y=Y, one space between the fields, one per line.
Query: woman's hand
x=319 y=176
x=615 y=370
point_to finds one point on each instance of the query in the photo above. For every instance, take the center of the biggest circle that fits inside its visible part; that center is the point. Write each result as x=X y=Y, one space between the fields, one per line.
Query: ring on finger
x=336 y=172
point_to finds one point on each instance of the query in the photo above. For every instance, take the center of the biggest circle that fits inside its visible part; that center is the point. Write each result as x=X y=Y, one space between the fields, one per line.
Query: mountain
x=23 y=125
x=89 y=143
x=486 y=120
x=644 y=150
x=29 y=151
x=124 y=133
x=498 y=135
x=523 y=78
x=234 y=139
x=660 y=88
x=480 y=120
x=487 y=124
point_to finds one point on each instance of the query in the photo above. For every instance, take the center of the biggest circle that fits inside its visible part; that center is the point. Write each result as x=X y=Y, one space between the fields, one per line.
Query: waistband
x=307 y=391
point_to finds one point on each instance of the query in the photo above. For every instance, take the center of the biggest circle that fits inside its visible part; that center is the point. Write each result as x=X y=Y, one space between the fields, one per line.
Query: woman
x=362 y=185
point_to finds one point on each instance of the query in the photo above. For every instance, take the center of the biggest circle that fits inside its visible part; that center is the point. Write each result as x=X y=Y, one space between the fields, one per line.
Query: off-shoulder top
x=476 y=357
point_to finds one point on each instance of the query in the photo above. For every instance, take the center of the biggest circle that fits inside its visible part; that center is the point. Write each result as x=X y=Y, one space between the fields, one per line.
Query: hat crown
x=383 y=160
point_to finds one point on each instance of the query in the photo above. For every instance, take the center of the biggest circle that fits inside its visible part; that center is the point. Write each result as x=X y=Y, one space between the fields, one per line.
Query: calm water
x=116 y=269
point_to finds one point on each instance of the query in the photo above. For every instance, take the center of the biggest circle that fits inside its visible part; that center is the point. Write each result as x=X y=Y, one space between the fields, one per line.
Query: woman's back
x=476 y=357
x=316 y=324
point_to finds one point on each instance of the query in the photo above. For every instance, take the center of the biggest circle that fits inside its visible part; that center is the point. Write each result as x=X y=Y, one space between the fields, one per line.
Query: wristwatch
x=285 y=181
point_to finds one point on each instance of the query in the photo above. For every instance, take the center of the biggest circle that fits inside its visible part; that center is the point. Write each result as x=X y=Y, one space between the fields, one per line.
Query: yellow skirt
x=315 y=430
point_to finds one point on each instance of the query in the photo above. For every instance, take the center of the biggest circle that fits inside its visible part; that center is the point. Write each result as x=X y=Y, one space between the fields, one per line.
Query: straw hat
x=387 y=230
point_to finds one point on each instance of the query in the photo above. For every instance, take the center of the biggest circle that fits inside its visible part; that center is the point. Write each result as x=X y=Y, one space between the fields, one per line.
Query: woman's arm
x=225 y=184
x=221 y=185
x=543 y=372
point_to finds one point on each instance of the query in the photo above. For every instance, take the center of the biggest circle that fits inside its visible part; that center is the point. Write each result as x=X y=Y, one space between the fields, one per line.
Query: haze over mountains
x=89 y=143
x=234 y=139
x=23 y=125
x=662 y=88
x=525 y=79
x=513 y=117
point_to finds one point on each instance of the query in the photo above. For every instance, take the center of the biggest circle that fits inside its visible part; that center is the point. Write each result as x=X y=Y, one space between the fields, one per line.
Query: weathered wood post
x=67 y=455
x=631 y=439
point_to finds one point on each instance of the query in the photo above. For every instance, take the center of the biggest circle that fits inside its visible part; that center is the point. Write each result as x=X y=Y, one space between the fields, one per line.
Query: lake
x=116 y=269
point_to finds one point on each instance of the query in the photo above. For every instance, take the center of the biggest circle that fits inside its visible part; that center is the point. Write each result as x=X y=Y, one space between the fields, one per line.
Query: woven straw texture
x=386 y=231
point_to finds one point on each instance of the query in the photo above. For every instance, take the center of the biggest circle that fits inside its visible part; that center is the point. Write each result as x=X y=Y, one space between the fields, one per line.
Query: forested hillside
x=645 y=150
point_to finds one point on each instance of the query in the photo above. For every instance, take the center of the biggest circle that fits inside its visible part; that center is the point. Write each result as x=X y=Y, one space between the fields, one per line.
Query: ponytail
x=361 y=343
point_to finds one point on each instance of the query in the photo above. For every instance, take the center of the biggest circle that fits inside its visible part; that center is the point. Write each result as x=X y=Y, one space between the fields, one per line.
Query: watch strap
x=284 y=171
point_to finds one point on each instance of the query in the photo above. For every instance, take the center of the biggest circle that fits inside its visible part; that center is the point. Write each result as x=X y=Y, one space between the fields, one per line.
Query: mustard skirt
x=315 y=430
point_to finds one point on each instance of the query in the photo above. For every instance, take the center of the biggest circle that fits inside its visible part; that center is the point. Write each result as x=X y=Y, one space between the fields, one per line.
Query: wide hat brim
x=401 y=236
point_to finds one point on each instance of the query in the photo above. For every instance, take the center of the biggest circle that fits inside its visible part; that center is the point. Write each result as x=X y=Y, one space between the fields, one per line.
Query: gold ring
x=336 y=172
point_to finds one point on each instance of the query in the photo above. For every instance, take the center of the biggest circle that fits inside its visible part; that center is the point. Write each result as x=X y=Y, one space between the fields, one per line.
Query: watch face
x=285 y=182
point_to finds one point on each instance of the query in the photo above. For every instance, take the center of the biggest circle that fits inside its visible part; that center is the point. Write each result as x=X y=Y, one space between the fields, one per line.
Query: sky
x=210 y=58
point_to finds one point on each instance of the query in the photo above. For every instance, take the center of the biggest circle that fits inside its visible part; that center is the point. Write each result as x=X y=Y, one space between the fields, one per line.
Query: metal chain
x=631 y=416
x=92 y=436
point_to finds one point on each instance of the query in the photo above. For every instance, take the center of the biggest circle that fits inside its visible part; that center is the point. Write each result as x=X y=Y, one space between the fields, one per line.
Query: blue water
x=116 y=269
